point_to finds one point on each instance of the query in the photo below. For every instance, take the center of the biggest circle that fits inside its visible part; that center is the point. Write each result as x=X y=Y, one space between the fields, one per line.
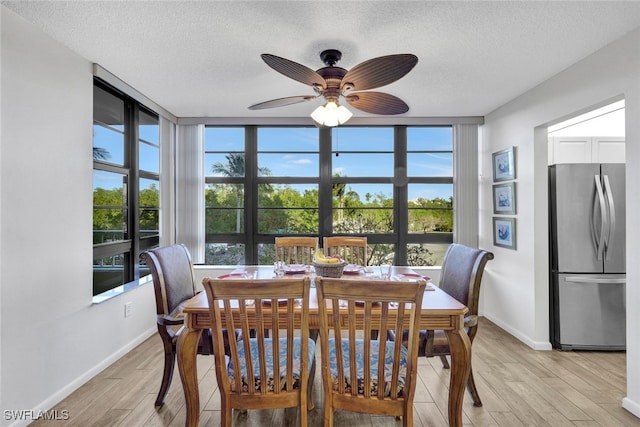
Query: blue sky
x=293 y=152
x=112 y=139
x=362 y=152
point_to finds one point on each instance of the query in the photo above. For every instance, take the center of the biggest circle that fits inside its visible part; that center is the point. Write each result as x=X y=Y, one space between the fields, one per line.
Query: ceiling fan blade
x=281 y=102
x=378 y=72
x=377 y=103
x=294 y=70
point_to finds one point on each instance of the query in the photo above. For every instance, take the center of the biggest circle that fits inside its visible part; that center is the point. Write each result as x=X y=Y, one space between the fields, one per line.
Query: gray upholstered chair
x=174 y=283
x=461 y=276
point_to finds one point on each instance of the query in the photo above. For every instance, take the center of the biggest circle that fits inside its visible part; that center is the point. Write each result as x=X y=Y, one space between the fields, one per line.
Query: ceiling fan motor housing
x=333 y=77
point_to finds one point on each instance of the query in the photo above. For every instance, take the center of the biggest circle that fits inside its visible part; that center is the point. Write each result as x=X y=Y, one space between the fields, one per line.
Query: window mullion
x=134 y=189
x=325 y=202
x=400 y=194
x=251 y=194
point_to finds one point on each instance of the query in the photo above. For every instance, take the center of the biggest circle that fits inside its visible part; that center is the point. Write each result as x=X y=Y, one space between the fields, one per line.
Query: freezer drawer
x=589 y=312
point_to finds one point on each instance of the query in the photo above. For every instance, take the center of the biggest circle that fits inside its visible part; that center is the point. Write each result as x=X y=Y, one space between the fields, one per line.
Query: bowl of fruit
x=328 y=266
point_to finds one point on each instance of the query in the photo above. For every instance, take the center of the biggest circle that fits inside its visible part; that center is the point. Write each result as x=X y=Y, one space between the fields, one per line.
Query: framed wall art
x=504 y=232
x=504 y=198
x=504 y=164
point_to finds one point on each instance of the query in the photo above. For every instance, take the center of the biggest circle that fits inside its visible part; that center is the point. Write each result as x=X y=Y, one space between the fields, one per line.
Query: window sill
x=123 y=289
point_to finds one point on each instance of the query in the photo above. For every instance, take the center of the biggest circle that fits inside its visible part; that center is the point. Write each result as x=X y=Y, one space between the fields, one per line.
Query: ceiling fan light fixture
x=331 y=114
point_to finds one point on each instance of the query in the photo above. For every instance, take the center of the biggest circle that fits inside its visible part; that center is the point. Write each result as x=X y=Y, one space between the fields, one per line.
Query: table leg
x=187 y=350
x=460 y=347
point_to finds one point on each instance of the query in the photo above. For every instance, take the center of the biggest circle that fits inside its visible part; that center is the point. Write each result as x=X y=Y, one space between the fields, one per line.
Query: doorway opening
x=597 y=136
x=587 y=238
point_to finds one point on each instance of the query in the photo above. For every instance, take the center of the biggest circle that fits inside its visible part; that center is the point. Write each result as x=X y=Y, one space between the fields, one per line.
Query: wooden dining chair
x=296 y=250
x=364 y=375
x=460 y=277
x=352 y=249
x=173 y=283
x=262 y=372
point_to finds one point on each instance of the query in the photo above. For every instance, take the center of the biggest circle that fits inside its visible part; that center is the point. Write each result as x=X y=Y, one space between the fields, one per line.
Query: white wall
x=515 y=293
x=52 y=338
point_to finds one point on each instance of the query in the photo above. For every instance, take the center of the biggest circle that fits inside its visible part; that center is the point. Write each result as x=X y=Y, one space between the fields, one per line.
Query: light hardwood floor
x=518 y=387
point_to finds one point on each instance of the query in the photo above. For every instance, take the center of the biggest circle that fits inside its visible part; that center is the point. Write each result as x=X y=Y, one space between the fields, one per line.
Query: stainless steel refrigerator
x=587 y=239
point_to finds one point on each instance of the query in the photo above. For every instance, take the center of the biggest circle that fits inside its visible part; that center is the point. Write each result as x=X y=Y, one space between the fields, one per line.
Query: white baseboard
x=536 y=345
x=75 y=384
x=631 y=406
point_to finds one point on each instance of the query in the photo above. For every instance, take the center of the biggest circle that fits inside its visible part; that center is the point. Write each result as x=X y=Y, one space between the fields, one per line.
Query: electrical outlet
x=127 y=309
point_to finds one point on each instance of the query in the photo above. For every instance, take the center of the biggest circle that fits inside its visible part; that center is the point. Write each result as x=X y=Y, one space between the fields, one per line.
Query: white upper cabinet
x=586 y=149
x=607 y=150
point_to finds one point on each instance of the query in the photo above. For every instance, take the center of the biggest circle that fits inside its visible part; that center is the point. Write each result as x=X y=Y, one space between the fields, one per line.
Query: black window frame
x=133 y=243
x=399 y=237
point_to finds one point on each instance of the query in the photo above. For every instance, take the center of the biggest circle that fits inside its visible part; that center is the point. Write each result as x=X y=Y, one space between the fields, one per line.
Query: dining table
x=439 y=311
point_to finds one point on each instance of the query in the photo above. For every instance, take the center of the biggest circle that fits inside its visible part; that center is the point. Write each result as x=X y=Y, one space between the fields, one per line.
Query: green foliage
x=285 y=210
x=431 y=215
x=282 y=209
x=108 y=209
x=221 y=254
x=419 y=255
x=224 y=208
x=149 y=209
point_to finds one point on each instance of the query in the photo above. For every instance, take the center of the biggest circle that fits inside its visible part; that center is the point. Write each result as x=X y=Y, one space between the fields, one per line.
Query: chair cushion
x=269 y=359
x=374 y=366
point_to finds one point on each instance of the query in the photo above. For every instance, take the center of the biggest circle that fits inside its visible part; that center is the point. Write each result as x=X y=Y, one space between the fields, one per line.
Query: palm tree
x=234 y=167
x=101 y=154
x=339 y=192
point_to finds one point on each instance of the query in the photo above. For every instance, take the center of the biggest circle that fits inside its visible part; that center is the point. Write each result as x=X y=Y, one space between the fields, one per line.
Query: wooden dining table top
x=434 y=302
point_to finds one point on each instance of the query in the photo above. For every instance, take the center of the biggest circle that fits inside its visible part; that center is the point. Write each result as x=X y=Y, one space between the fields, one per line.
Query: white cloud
x=300 y=162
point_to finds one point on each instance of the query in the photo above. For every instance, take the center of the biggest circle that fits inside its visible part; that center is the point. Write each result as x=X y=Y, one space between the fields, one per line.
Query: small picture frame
x=504 y=232
x=504 y=164
x=504 y=198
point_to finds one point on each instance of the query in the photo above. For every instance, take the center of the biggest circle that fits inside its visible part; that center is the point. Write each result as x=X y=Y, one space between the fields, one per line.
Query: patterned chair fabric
x=253 y=343
x=374 y=366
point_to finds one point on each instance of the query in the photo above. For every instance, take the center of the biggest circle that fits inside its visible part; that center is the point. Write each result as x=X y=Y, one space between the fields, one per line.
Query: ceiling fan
x=334 y=82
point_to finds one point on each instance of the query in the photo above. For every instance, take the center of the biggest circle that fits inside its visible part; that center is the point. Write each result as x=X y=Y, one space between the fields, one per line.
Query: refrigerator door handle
x=598 y=236
x=582 y=279
x=611 y=213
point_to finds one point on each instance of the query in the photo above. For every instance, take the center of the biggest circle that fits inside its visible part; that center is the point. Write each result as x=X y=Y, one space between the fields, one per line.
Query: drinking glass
x=385 y=271
x=278 y=268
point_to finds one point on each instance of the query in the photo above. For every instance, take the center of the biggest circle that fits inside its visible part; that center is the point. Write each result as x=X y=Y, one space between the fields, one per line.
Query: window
x=362 y=176
x=392 y=184
x=268 y=186
x=126 y=187
x=429 y=227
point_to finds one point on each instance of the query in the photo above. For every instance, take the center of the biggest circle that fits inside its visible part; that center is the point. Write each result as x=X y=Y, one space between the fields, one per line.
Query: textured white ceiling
x=202 y=58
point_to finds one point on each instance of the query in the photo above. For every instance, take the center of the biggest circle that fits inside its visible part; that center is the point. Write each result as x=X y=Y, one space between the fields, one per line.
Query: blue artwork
x=503 y=232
